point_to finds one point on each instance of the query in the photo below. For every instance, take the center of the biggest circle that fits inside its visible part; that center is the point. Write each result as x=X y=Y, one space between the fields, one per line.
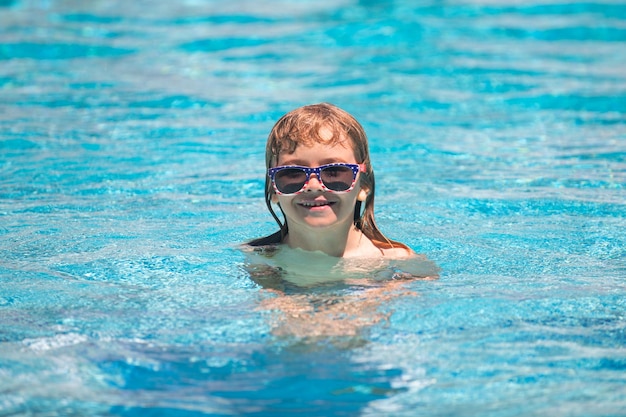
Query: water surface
x=131 y=167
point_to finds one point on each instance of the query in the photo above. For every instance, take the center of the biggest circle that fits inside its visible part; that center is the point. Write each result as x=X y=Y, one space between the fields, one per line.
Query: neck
x=336 y=241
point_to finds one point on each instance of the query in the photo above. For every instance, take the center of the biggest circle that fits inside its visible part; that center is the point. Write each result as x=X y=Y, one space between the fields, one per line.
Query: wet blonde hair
x=302 y=126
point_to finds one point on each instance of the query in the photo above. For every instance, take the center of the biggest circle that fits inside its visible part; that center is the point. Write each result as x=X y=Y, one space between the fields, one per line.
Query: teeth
x=314 y=203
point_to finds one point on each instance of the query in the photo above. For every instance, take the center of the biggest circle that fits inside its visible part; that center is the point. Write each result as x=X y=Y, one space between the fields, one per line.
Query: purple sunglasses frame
x=356 y=168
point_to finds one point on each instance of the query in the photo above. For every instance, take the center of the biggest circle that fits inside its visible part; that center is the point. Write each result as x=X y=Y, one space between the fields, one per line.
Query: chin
x=320 y=224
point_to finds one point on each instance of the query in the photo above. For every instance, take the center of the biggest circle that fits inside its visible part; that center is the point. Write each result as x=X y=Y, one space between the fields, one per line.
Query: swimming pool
x=131 y=156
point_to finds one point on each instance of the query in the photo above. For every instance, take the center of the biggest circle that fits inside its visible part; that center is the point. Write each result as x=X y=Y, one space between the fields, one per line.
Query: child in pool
x=320 y=176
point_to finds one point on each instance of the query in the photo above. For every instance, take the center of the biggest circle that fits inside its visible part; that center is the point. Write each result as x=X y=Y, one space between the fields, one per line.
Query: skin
x=323 y=221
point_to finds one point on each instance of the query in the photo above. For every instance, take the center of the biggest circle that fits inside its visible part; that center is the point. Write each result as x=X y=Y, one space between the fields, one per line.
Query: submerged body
x=317 y=295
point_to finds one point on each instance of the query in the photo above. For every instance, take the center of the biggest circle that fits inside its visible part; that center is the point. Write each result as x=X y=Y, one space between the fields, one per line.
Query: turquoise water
x=131 y=166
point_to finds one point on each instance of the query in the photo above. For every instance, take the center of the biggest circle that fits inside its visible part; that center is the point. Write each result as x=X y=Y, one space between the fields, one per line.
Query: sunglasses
x=291 y=179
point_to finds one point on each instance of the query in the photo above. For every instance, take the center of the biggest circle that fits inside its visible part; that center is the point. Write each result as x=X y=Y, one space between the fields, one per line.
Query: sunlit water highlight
x=131 y=167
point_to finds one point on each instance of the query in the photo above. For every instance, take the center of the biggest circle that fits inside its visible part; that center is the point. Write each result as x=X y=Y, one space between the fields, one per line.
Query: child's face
x=314 y=207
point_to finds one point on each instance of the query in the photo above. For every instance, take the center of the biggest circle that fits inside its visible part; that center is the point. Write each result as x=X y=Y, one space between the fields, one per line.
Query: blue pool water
x=131 y=166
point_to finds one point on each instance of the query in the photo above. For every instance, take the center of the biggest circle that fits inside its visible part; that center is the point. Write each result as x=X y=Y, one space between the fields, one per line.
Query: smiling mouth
x=313 y=204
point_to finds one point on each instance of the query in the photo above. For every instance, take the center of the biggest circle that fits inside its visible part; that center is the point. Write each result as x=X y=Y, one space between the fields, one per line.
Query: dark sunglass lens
x=290 y=180
x=337 y=178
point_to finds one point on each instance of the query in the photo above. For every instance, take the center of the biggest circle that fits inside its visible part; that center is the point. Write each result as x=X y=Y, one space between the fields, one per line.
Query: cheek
x=283 y=201
x=348 y=200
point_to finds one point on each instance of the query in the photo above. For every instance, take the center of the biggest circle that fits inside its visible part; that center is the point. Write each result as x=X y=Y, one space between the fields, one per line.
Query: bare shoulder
x=398 y=253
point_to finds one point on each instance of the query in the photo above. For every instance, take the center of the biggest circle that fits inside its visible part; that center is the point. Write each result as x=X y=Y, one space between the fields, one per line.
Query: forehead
x=318 y=153
x=312 y=136
x=286 y=140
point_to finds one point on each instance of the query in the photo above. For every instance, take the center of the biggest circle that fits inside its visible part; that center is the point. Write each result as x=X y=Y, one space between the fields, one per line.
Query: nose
x=313 y=184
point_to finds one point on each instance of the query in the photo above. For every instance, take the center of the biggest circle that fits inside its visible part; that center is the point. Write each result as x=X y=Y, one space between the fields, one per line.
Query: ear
x=363 y=193
x=274 y=198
